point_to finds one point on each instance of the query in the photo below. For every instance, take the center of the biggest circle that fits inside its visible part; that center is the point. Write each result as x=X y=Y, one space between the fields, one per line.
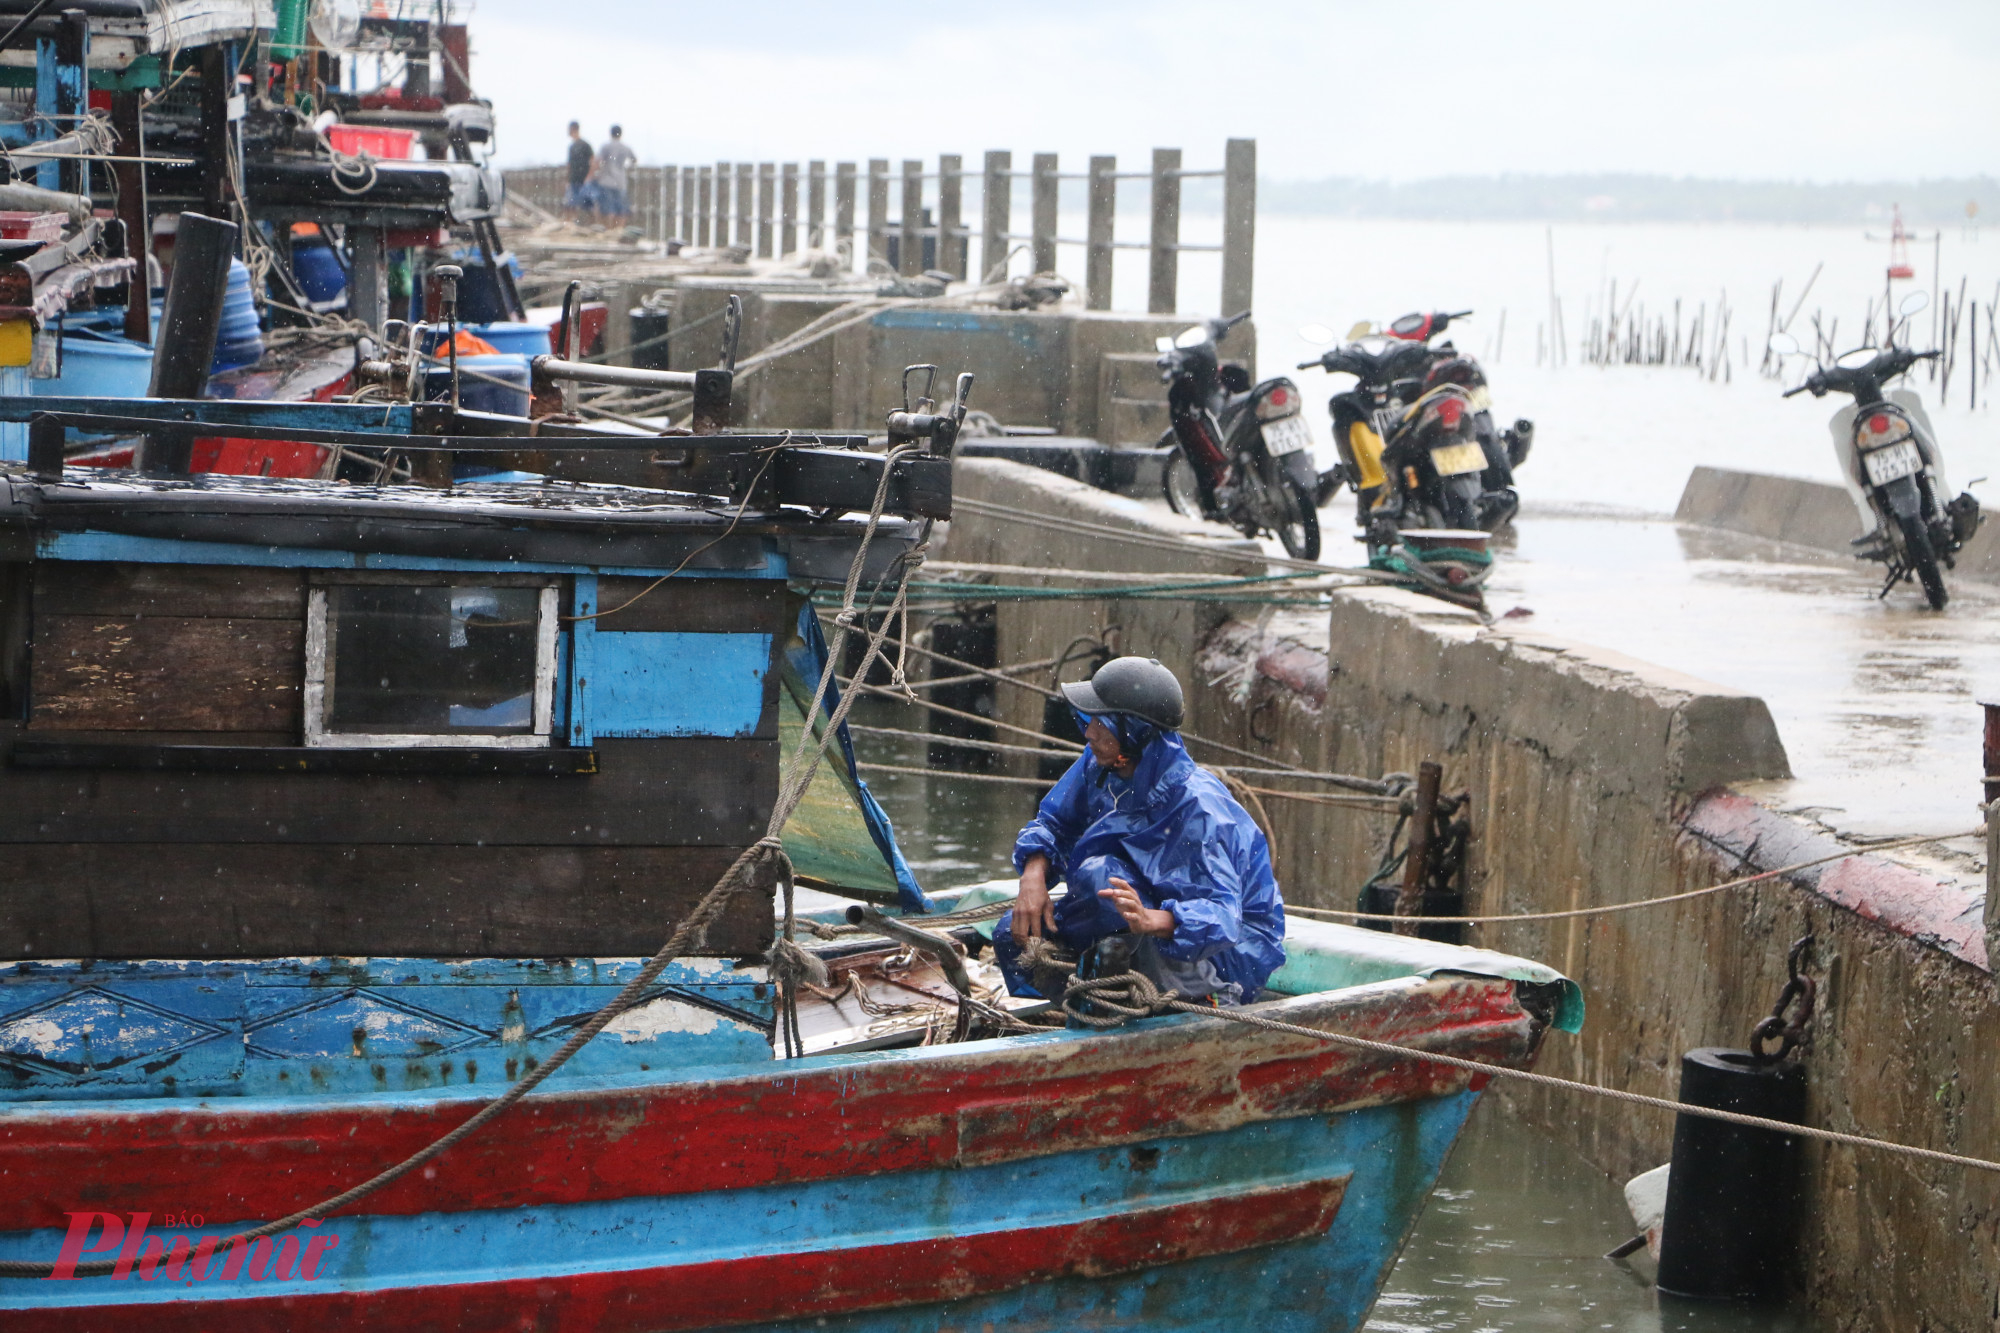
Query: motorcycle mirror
x=1362 y=329
x=1193 y=337
x=1913 y=303
x=1784 y=344
x=1163 y=343
x=1318 y=335
x=1409 y=325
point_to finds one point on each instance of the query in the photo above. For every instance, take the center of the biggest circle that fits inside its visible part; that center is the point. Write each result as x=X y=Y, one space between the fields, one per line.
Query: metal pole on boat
x=189 y=322
x=448 y=276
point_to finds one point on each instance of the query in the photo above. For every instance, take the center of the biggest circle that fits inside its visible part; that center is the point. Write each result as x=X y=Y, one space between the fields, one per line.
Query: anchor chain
x=1792 y=1014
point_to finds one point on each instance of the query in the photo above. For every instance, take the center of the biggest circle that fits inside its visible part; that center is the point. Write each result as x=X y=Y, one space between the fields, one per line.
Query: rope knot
x=1113 y=1001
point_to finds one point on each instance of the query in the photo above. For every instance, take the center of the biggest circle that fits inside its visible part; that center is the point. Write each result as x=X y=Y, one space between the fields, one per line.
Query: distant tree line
x=1633 y=198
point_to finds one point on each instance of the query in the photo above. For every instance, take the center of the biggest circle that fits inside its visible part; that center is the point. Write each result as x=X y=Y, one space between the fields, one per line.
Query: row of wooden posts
x=757 y=207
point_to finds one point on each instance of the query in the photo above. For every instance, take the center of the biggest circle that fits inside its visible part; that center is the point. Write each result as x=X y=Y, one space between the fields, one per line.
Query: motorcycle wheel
x=1917 y=550
x=1296 y=517
x=1178 y=484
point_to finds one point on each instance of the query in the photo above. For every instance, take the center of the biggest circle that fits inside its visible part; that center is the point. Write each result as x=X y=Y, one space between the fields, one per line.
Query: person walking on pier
x=1158 y=856
x=610 y=176
x=577 y=199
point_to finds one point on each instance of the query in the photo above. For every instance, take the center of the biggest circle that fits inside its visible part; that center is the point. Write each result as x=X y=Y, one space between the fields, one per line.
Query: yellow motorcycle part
x=1367 y=448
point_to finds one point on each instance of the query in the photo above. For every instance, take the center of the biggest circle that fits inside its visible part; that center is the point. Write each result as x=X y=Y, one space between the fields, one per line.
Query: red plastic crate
x=28 y=226
x=378 y=141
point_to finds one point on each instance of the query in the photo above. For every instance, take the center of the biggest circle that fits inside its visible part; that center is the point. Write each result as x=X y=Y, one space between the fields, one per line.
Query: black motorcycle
x=1415 y=441
x=1504 y=450
x=1242 y=453
x=1887 y=452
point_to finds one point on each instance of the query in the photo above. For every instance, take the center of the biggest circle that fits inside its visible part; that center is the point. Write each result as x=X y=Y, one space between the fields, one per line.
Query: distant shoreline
x=1633 y=198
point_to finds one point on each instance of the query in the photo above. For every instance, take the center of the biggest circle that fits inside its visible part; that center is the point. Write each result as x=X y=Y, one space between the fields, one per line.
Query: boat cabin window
x=430 y=663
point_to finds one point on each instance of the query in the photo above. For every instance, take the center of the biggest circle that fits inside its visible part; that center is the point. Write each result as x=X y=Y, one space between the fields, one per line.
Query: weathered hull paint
x=1183 y=1174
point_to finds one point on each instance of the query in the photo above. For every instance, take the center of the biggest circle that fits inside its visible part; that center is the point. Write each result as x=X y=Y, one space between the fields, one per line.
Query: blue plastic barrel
x=476 y=390
x=517 y=339
x=99 y=366
x=318 y=270
x=240 y=340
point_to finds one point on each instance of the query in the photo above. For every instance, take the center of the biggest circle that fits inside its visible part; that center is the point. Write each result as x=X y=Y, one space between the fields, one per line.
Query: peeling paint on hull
x=1183 y=1173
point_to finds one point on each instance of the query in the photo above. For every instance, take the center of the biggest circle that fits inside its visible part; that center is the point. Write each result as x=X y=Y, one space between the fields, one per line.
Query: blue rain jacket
x=1195 y=851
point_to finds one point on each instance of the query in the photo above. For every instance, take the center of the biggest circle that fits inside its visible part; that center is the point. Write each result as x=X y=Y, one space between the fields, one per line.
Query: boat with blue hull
x=331 y=811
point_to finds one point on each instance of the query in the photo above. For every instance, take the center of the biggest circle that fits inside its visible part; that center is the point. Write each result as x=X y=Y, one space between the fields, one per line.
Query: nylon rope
x=1131 y=995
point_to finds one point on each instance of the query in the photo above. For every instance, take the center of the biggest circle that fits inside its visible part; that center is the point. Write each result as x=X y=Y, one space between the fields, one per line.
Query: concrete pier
x=1596 y=779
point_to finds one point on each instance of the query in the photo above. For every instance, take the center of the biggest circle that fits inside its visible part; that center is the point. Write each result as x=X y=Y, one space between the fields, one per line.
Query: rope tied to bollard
x=1102 y=1003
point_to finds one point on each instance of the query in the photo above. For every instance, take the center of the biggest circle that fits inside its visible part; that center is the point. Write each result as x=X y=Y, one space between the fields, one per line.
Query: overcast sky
x=1826 y=91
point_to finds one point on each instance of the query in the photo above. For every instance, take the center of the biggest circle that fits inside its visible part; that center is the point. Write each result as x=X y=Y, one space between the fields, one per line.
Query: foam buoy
x=1732 y=1195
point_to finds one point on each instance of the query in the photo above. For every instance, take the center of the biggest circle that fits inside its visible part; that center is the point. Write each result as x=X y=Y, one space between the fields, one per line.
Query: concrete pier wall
x=1808 y=513
x=1597 y=779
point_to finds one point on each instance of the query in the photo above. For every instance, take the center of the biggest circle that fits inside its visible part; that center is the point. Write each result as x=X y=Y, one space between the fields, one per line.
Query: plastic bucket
x=514 y=339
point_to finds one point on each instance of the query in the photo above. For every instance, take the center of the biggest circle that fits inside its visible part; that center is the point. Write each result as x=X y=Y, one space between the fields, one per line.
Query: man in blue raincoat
x=1154 y=850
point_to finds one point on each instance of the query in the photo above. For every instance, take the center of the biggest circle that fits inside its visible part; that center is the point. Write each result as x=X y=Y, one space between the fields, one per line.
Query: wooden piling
x=1042 y=227
x=951 y=245
x=816 y=205
x=1098 y=233
x=997 y=204
x=131 y=180
x=1163 y=279
x=1410 y=898
x=788 y=210
x=910 y=243
x=843 y=209
x=723 y=175
x=670 y=191
x=767 y=192
x=878 y=211
x=745 y=186
x=1239 y=224
x=704 y=206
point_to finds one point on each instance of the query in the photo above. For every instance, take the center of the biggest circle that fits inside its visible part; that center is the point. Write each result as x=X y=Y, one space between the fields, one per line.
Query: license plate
x=1287 y=435
x=1892 y=463
x=1456 y=459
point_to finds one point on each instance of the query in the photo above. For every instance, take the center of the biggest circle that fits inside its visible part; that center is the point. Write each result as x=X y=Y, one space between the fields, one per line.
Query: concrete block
x=1786 y=509
x=1131 y=400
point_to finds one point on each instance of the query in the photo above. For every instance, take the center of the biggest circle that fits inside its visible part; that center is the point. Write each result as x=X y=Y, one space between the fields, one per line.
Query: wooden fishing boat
x=329 y=811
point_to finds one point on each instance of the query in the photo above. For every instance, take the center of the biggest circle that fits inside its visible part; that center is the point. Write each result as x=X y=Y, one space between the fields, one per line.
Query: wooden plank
x=164 y=900
x=681 y=791
x=557 y=761
x=694 y=606
x=166 y=673
x=125 y=588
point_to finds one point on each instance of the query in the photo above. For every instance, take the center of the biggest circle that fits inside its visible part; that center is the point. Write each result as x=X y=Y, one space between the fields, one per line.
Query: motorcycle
x=1504 y=450
x=1889 y=458
x=1242 y=453
x=1415 y=435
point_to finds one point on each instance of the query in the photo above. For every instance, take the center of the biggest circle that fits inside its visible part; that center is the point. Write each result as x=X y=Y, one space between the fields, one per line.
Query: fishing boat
x=330 y=811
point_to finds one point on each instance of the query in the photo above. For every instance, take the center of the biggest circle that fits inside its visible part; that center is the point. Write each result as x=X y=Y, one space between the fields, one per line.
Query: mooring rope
x=1608 y=908
x=1109 y=1002
x=1378 y=804
x=768 y=851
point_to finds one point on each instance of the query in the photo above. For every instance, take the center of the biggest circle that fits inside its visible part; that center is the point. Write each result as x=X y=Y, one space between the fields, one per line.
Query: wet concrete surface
x=1875 y=699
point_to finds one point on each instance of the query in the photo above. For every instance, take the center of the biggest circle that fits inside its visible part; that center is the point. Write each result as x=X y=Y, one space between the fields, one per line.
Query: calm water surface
x=1514 y=1237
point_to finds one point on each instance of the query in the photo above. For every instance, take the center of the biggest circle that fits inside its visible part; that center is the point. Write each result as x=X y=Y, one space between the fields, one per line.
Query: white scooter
x=1889 y=458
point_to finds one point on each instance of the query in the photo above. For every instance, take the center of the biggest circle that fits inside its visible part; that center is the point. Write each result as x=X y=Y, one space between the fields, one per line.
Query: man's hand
x=1142 y=919
x=1034 y=915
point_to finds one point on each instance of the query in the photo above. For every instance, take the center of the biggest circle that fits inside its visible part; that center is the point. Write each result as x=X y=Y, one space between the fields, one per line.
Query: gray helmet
x=1139 y=686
